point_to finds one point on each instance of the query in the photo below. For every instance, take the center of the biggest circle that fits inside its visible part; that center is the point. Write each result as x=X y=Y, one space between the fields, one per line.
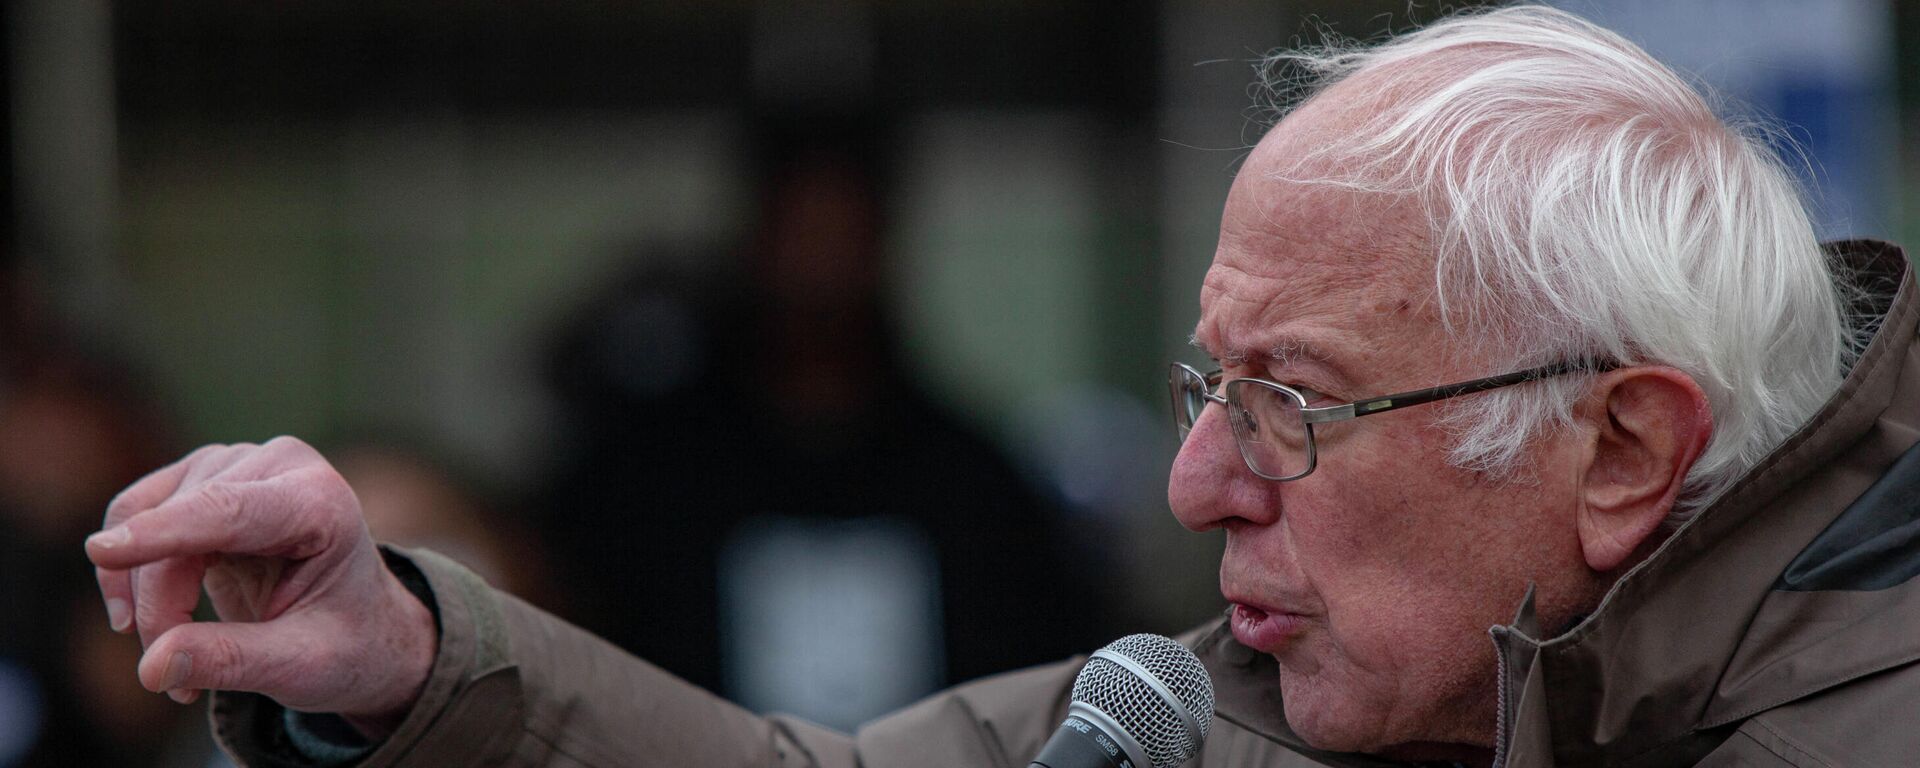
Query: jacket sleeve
x=514 y=686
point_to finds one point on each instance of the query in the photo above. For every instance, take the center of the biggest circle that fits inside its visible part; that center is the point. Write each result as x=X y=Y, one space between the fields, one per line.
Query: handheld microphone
x=1143 y=701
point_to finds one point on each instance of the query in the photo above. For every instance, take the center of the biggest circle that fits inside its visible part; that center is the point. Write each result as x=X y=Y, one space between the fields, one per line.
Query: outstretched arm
x=431 y=664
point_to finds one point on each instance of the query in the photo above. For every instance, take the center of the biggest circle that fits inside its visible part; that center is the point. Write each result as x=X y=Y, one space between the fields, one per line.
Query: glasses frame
x=1179 y=373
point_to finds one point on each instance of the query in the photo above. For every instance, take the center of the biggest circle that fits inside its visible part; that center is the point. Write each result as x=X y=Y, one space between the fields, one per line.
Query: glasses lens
x=1266 y=420
x=1189 y=390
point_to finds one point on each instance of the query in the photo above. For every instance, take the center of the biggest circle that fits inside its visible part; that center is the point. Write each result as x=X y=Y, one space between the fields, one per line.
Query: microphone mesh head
x=1136 y=706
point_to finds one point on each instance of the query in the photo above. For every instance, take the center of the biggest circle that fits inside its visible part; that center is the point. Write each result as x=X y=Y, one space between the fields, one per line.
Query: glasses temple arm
x=1397 y=400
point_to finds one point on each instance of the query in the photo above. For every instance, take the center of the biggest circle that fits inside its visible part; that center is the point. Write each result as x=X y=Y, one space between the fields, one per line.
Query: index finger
x=148 y=492
x=247 y=518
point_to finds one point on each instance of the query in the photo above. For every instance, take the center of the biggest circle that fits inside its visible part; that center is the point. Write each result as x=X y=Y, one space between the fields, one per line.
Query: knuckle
x=326 y=509
x=288 y=447
x=225 y=663
x=285 y=442
x=222 y=501
x=202 y=452
x=303 y=509
x=203 y=455
x=323 y=490
x=220 y=507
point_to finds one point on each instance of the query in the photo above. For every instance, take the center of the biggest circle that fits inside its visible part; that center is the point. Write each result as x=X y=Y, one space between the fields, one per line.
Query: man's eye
x=1314 y=398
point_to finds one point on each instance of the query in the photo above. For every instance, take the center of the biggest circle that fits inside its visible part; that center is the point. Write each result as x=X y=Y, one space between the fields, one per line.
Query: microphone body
x=1144 y=701
x=1083 y=742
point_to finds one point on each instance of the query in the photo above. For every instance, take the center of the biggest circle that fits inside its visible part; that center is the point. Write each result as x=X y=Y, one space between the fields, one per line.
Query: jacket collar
x=1711 y=628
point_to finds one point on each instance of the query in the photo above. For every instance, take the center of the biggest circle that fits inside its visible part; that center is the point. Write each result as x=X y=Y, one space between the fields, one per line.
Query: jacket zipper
x=1502 y=720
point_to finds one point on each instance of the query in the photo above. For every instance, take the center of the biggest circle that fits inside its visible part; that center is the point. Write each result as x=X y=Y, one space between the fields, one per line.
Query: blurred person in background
x=414 y=497
x=757 y=469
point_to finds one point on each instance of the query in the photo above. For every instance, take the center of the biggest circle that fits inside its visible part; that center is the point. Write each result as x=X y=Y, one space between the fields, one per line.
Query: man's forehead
x=1291 y=245
x=1311 y=272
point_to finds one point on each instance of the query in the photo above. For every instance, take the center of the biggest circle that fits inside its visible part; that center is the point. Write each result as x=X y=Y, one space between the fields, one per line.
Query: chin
x=1331 y=722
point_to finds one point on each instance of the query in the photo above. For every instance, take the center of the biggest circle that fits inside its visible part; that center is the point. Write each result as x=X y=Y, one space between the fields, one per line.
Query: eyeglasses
x=1274 y=427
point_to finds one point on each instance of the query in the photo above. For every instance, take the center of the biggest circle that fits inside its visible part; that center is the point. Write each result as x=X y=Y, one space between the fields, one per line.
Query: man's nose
x=1210 y=482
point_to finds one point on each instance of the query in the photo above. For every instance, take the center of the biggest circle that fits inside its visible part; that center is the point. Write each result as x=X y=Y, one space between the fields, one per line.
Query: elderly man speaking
x=1541 y=431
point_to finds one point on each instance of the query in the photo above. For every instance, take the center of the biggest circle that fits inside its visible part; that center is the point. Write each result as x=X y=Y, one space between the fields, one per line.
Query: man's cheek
x=1345 y=521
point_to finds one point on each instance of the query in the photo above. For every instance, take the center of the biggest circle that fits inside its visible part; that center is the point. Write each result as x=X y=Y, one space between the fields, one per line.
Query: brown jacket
x=1778 y=628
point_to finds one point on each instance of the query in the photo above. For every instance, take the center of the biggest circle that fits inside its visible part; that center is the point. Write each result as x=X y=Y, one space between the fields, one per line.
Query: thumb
x=228 y=656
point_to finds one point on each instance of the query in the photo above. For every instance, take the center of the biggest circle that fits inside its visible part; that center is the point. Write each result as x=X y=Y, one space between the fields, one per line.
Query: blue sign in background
x=1820 y=70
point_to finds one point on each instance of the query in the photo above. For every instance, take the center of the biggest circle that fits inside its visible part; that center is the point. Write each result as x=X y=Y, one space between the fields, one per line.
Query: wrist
x=412 y=639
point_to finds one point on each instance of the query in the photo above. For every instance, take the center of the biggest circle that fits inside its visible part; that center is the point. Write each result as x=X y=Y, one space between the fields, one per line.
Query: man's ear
x=1647 y=424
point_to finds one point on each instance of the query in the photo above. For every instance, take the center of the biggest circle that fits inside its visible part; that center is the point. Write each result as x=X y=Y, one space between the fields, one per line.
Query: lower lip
x=1262 y=631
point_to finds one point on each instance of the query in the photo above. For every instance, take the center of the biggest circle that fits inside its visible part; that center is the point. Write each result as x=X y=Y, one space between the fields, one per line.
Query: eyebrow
x=1286 y=351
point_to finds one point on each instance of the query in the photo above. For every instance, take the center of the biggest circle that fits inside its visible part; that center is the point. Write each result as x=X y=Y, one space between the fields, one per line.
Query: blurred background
x=812 y=350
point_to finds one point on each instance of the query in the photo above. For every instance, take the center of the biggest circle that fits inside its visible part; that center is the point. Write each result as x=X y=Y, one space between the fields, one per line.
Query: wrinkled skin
x=309 y=614
x=1393 y=563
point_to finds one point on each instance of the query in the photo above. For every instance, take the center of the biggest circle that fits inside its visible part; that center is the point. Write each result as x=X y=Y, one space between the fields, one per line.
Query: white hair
x=1587 y=203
